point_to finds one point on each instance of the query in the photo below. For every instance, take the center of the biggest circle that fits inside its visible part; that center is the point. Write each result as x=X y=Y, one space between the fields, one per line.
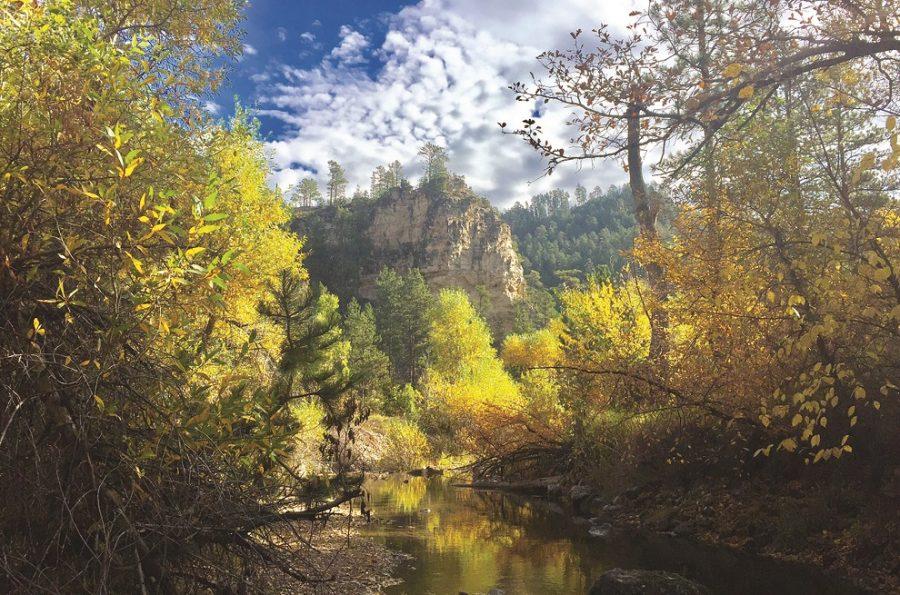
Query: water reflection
x=474 y=541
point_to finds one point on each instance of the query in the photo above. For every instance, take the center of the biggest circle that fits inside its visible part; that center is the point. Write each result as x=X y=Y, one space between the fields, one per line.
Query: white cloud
x=282 y=33
x=212 y=107
x=249 y=50
x=444 y=70
x=308 y=37
x=350 y=50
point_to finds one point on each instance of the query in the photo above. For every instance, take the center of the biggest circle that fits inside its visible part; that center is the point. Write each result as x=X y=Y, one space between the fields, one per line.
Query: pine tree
x=580 y=195
x=369 y=366
x=306 y=193
x=436 y=173
x=402 y=311
x=337 y=183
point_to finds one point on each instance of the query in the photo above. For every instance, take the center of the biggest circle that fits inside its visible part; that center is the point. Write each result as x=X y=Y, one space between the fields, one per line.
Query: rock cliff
x=455 y=241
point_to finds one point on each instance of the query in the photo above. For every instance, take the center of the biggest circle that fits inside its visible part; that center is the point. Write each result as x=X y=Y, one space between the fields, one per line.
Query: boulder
x=602 y=530
x=619 y=581
x=580 y=493
x=632 y=492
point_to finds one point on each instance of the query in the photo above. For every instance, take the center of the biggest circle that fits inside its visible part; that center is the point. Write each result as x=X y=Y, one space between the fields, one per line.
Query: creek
x=461 y=540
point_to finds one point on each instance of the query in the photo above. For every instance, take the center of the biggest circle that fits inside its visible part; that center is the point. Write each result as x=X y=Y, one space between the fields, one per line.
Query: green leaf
x=212 y=217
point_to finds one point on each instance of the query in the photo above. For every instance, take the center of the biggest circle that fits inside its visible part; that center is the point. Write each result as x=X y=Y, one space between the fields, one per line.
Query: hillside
x=562 y=239
x=455 y=238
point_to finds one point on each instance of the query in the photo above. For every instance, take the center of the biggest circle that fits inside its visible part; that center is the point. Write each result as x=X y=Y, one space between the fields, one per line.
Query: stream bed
x=460 y=540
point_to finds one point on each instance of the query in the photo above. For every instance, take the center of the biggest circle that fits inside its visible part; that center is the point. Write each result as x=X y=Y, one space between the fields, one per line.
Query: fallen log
x=530 y=487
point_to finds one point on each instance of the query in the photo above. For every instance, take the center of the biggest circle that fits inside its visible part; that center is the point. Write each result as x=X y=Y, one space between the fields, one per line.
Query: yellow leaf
x=732 y=70
x=204 y=229
x=129 y=169
x=789 y=444
x=867 y=161
x=137 y=263
x=199 y=418
x=815 y=440
x=746 y=92
x=881 y=274
x=859 y=392
x=796 y=420
x=796 y=300
x=891 y=122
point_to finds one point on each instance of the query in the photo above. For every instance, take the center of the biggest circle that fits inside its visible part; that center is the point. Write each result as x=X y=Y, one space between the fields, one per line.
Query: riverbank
x=844 y=530
x=343 y=559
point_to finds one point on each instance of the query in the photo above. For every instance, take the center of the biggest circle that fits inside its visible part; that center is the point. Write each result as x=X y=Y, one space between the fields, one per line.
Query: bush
x=391 y=444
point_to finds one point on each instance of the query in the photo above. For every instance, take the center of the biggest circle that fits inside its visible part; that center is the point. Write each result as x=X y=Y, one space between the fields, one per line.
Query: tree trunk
x=645 y=212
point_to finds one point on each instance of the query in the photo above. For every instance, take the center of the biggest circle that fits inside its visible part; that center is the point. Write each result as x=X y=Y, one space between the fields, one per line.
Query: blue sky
x=299 y=33
x=367 y=82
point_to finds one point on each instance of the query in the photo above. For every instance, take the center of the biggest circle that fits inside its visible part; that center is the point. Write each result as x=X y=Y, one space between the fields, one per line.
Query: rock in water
x=602 y=531
x=619 y=581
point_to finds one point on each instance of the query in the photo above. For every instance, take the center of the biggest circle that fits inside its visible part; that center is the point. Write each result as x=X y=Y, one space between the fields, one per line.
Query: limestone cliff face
x=454 y=241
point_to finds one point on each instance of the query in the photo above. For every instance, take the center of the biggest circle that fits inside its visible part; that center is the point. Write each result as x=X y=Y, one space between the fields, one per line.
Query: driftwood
x=426 y=472
x=530 y=487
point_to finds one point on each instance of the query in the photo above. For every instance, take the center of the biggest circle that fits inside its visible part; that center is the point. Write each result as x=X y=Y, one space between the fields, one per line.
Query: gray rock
x=619 y=581
x=632 y=493
x=579 y=493
x=599 y=501
x=554 y=489
x=580 y=520
x=612 y=508
x=602 y=530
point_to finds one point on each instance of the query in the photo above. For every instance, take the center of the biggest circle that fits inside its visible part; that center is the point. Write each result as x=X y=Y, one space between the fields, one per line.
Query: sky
x=366 y=82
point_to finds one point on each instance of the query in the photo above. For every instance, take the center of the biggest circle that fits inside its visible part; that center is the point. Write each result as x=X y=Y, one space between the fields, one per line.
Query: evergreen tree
x=395 y=174
x=379 y=181
x=402 y=312
x=580 y=195
x=436 y=173
x=337 y=183
x=306 y=193
x=563 y=243
x=369 y=366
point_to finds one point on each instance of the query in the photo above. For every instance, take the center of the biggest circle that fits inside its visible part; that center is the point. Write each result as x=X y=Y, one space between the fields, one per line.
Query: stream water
x=472 y=541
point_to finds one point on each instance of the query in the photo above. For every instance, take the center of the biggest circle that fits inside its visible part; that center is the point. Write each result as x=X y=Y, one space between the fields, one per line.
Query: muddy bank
x=342 y=560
